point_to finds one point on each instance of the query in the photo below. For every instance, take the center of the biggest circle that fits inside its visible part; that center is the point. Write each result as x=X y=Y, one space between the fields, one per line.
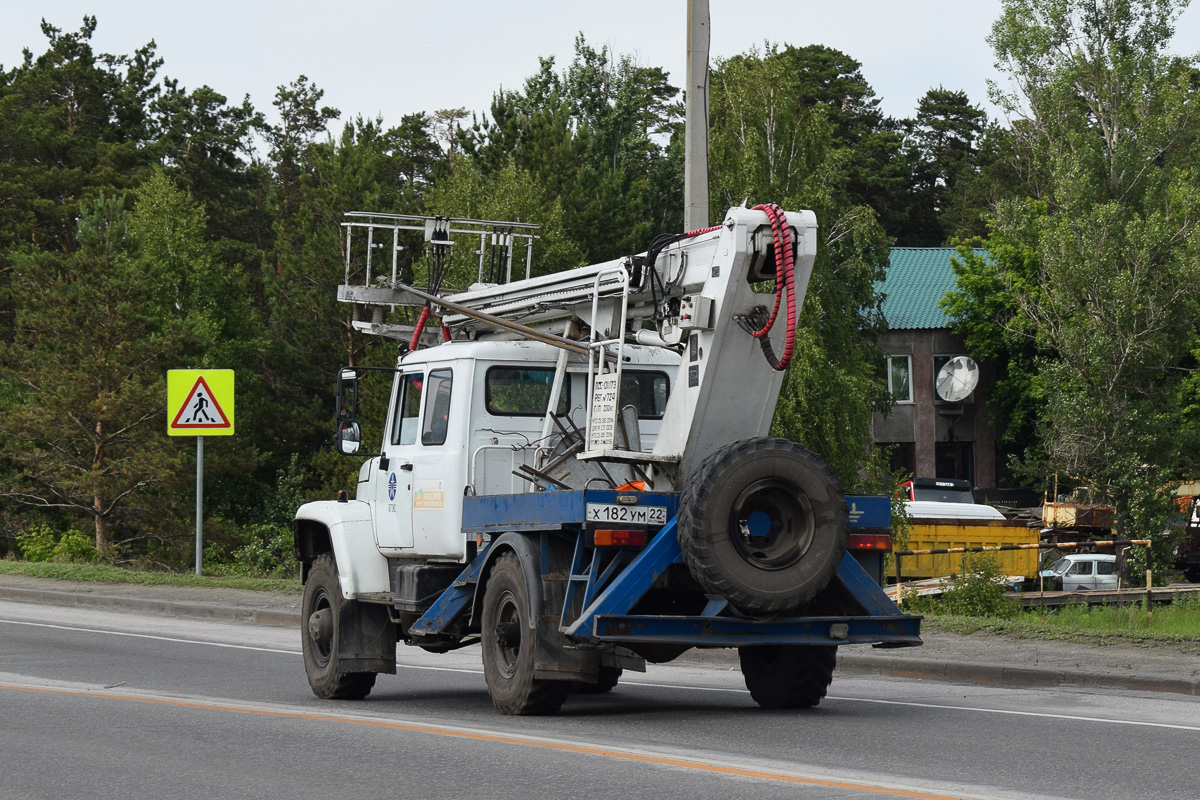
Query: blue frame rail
x=608 y=583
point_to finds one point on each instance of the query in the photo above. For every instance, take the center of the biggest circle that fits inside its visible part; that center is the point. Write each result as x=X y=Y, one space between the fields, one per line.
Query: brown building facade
x=927 y=436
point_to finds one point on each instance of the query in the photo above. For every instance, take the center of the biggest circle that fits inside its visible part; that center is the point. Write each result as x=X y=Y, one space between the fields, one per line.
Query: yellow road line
x=503 y=739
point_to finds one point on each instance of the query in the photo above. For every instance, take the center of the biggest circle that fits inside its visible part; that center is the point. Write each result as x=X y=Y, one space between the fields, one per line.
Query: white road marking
x=649 y=684
x=1042 y=714
x=149 y=636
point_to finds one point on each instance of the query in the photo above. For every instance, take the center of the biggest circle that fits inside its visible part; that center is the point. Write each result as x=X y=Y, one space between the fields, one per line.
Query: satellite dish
x=957 y=378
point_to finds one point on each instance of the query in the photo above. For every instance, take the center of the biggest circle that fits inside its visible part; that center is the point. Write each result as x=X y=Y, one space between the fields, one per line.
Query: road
x=97 y=704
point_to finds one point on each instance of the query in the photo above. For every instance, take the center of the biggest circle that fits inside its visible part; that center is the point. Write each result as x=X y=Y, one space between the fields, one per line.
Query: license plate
x=633 y=515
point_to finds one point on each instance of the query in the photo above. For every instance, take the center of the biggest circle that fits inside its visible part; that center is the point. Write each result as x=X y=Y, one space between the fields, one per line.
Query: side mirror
x=348 y=437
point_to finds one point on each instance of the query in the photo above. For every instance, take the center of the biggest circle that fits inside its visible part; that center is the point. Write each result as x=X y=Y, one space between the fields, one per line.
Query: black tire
x=787 y=675
x=606 y=681
x=509 y=646
x=321 y=614
x=763 y=523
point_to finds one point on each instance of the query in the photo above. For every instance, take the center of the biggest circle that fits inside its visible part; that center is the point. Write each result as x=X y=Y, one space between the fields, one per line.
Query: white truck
x=576 y=474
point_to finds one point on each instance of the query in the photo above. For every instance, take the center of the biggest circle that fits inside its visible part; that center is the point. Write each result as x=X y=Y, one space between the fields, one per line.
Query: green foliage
x=267 y=552
x=105 y=573
x=769 y=146
x=141 y=230
x=1091 y=296
x=87 y=360
x=509 y=193
x=978 y=591
x=941 y=142
x=41 y=543
x=591 y=137
x=73 y=126
x=37 y=543
x=1178 y=622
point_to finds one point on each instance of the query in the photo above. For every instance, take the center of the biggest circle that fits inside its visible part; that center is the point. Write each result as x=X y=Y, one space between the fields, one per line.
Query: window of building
x=901 y=458
x=954 y=460
x=899 y=376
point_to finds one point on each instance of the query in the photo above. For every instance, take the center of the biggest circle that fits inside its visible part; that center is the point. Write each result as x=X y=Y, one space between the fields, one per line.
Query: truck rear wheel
x=321 y=613
x=763 y=523
x=510 y=645
x=787 y=675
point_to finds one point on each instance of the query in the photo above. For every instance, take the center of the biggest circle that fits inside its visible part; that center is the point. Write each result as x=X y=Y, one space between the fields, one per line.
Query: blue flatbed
x=605 y=584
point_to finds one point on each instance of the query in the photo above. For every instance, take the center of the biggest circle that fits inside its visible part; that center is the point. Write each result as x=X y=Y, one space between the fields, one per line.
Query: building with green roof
x=930 y=436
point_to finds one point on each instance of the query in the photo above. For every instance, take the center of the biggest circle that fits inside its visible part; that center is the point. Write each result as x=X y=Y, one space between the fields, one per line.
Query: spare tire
x=763 y=523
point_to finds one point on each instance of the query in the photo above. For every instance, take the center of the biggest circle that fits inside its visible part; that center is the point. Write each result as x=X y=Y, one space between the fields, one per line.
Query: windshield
x=1060 y=566
x=943 y=494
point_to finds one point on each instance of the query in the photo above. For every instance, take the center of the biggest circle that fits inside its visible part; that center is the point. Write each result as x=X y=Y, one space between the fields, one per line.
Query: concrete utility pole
x=695 y=125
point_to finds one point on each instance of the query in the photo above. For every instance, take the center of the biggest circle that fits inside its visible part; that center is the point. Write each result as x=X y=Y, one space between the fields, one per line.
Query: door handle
x=406 y=467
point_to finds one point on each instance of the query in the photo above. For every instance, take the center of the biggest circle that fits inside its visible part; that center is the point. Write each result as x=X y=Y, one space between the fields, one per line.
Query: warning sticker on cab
x=633 y=515
x=429 y=494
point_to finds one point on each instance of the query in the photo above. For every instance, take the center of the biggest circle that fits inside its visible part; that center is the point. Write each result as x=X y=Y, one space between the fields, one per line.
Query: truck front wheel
x=787 y=675
x=510 y=645
x=321 y=613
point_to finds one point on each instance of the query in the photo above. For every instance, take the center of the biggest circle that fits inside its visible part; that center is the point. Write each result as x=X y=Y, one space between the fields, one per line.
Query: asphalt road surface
x=96 y=704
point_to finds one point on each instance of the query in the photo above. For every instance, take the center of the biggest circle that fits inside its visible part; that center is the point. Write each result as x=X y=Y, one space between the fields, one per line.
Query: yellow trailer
x=937 y=534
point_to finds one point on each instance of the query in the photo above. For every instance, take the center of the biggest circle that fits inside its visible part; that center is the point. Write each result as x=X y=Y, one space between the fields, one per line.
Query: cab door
x=439 y=468
x=393 y=504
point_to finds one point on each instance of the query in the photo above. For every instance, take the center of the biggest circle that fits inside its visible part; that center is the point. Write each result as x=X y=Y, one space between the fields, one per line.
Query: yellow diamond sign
x=200 y=402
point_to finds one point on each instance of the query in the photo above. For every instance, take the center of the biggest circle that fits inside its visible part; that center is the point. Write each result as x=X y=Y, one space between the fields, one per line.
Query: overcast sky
x=403 y=56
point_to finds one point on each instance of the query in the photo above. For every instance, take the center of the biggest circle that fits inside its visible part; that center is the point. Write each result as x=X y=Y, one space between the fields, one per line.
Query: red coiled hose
x=785 y=264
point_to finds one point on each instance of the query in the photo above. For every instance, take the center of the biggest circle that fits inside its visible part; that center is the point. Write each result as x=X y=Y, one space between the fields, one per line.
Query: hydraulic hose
x=785 y=263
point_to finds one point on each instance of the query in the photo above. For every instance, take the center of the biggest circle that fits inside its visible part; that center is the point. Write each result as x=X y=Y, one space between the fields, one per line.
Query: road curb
x=848 y=662
x=1010 y=677
x=176 y=608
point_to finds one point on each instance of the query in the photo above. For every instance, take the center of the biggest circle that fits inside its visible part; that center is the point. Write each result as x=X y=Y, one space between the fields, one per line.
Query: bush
x=37 y=543
x=40 y=543
x=268 y=552
x=979 y=590
x=74 y=547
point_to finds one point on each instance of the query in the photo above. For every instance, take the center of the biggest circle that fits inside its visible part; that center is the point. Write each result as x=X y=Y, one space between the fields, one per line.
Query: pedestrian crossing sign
x=200 y=402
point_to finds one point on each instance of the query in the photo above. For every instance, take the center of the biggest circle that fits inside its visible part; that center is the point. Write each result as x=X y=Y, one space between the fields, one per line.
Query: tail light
x=610 y=538
x=881 y=542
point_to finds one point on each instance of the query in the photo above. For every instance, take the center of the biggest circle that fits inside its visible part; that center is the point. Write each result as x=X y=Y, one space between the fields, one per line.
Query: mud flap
x=366 y=638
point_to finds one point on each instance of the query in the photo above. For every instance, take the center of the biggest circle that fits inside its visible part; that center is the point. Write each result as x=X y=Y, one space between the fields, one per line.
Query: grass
x=103 y=573
x=1178 y=623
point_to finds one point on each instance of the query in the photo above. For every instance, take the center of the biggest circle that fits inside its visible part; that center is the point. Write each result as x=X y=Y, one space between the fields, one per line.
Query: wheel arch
x=344 y=530
x=527 y=548
x=311 y=539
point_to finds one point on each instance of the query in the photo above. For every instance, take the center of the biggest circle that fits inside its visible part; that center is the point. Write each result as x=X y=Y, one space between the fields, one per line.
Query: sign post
x=199 y=403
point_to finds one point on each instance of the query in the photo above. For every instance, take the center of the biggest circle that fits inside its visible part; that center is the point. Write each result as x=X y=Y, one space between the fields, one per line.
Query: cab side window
x=1106 y=568
x=437 y=407
x=408 y=409
x=1081 y=568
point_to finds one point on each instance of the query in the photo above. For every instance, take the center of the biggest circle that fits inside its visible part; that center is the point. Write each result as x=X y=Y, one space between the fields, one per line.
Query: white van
x=944 y=498
x=1083 y=572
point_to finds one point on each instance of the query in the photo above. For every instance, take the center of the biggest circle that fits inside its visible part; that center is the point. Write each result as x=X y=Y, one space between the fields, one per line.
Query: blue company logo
x=392 y=486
